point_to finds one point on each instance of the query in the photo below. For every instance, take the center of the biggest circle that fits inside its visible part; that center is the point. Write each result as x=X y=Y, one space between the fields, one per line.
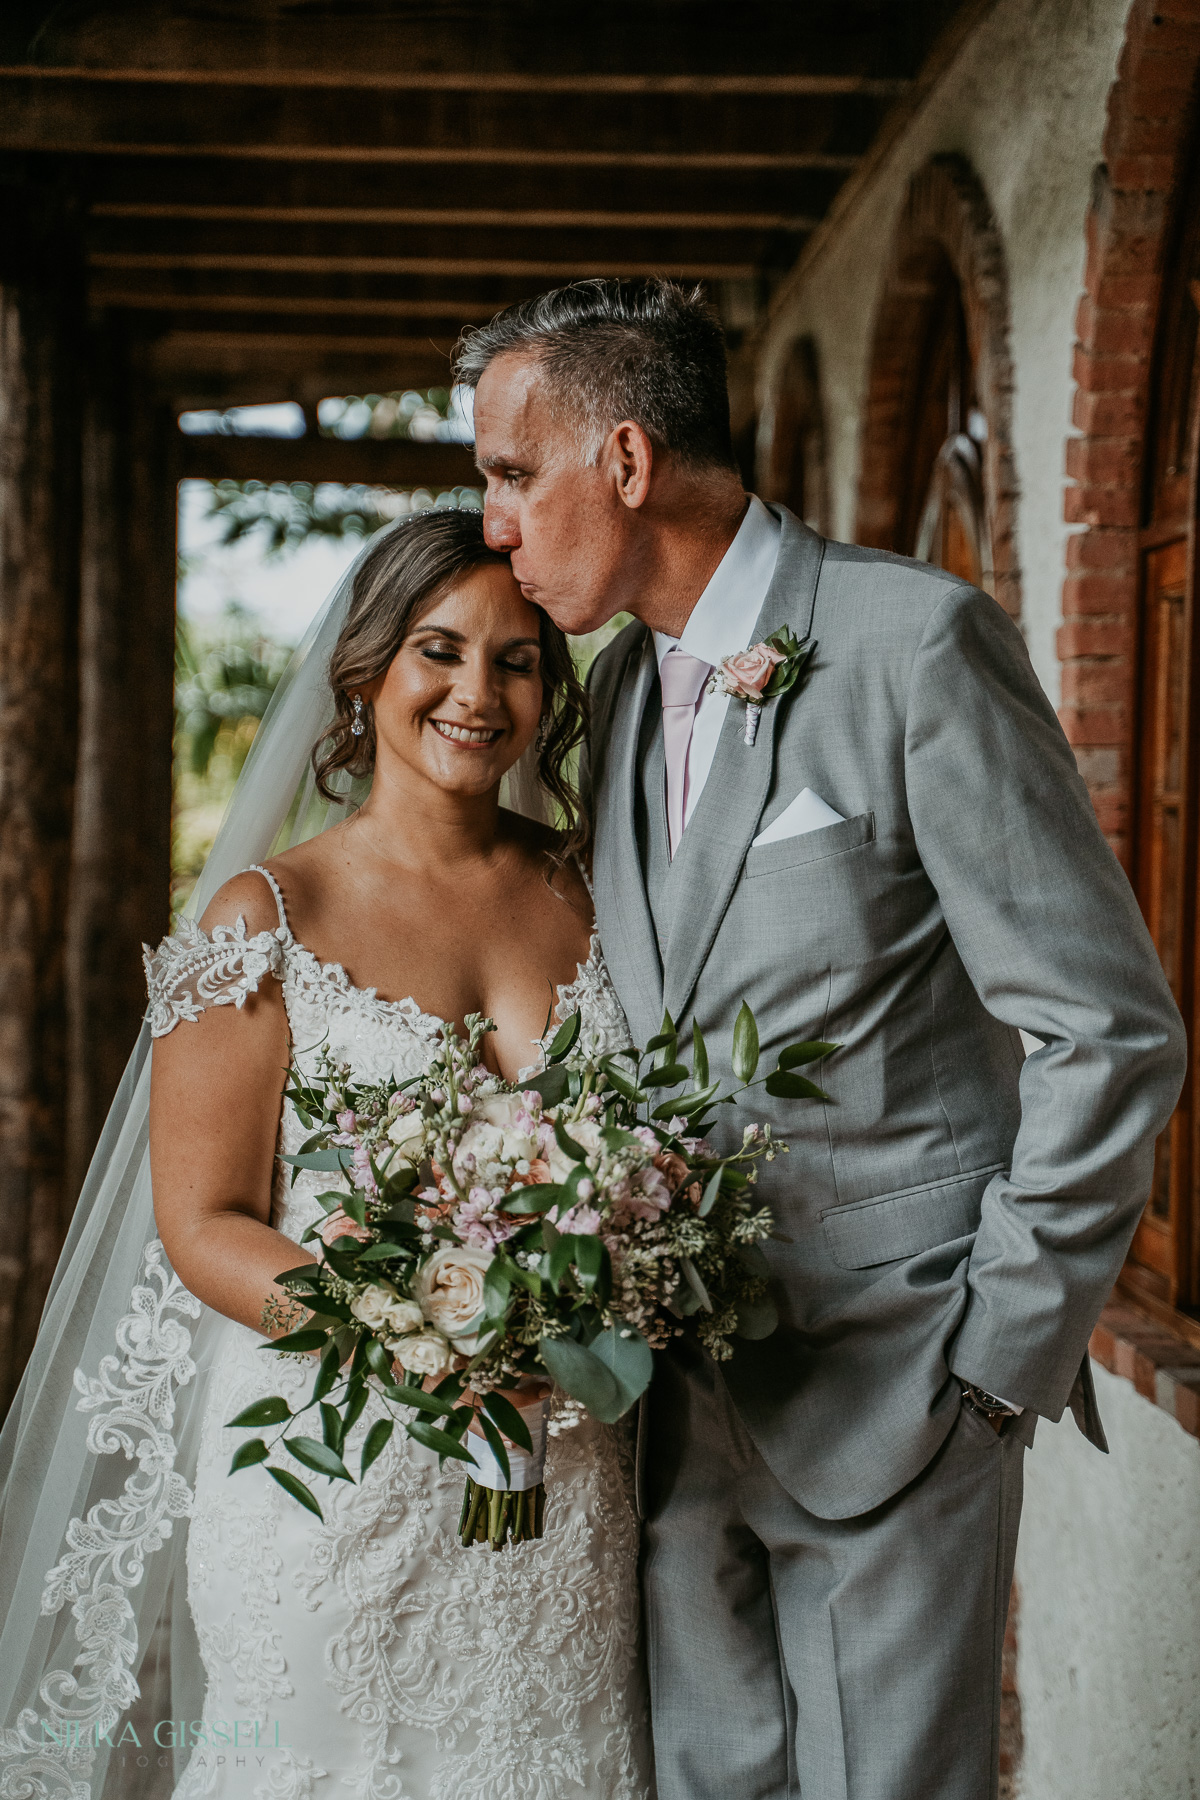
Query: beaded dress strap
x=275 y=888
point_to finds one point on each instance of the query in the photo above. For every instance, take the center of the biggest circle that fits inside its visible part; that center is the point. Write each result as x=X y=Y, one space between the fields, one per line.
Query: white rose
x=407 y=1132
x=374 y=1304
x=450 y=1291
x=494 y=1134
x=586 y=1134
x=404 y=1315
x=425 y=1353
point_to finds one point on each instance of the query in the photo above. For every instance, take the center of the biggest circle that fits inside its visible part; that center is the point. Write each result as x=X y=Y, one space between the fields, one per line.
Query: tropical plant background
x=256 y=562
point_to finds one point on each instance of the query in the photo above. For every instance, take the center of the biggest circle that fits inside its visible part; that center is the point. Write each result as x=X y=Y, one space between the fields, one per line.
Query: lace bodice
x=327 y=1012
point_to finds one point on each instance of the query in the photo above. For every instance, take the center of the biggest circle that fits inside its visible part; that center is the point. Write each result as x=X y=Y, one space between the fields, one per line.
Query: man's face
x=563 y=524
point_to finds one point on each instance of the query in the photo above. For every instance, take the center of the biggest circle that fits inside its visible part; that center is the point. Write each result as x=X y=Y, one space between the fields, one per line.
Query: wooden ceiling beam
x=463 y=217
x=788 y=85
x=83 y=117
x=114 y=183
x=393 y=463
x=547 y=268
x=391 y=249
x=281 y=39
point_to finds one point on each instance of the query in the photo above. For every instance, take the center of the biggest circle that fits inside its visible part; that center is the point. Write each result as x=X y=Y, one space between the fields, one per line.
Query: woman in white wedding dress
x=370 y=1656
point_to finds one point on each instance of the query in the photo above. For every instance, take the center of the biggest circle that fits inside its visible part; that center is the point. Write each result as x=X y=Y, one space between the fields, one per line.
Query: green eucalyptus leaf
x=332 y=1429
x=376 y=1442
x=565 y=1038
x=441 y=1441
x=660 y=1041
x=309 y=1337
x=745 y=1044
x=271 y=1411
x=327 y=1373
x=378 y=1252
x=379 y=1359
x=786 y=1086
x=691 y=1275
x=551 y=1084
x=508 y=1418
x=354 y=1206
x=628 y=1358
x=797 y=1054
x=670 y=1075
x=323 y=1160
x=590 y=1258
x=584 y=1376
x=712 y=1188
x=304 y=1274
x=498 y=1447
x=357 y=1395
x=318 y=1457
x=756 y=1318
x=536 y=1199
x=246 y=1455
x=624 y=1083
x=699 y=1056
x=567 y=1144
x=421 y=1398
x=296 y=1488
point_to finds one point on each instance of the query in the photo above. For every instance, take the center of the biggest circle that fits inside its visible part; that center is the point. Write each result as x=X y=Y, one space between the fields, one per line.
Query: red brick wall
x=1150 y=110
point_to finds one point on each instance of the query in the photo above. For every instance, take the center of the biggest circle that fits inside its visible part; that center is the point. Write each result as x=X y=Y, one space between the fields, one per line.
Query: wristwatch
x=990 y=1405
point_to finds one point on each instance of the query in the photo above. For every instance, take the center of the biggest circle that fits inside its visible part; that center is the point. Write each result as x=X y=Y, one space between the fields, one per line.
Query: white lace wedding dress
x=381 y=1660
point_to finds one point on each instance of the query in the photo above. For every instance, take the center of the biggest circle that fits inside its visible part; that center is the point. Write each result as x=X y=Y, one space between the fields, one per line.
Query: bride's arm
x=215 y=1094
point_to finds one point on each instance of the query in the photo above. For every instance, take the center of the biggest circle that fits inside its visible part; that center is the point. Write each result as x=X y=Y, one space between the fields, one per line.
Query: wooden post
x=121 y=861
x=41 y=302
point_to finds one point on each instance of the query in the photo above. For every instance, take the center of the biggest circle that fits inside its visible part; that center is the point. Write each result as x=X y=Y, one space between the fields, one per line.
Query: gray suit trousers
x=834 y=1659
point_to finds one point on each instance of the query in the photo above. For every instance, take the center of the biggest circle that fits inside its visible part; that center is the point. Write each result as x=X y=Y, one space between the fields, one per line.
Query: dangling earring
x=357 y=728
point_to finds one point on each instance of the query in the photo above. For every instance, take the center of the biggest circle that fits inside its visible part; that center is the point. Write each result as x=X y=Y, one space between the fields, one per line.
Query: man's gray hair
x=651 y=351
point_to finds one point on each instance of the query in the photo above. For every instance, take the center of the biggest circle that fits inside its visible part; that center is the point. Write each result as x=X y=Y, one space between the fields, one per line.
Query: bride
x=367 y=1654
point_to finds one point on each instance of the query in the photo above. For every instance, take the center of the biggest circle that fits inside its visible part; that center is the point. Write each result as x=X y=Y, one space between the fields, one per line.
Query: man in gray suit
x=905 y=861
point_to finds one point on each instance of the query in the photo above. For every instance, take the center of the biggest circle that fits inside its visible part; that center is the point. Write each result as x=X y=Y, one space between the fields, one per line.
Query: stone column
x=41 y=313
x=121 y=859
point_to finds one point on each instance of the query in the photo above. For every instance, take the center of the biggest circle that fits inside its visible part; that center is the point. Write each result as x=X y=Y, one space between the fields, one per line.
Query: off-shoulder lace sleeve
x=191 y=970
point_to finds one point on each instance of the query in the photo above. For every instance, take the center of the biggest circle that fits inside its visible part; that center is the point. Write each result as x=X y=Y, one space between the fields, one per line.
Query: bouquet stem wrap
x=496 y=1506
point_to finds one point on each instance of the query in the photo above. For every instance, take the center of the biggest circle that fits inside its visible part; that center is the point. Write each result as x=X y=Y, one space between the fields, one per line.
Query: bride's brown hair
x=410 y=566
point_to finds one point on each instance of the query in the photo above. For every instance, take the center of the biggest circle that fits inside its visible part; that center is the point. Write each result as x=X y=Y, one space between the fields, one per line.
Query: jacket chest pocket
x=810 y=847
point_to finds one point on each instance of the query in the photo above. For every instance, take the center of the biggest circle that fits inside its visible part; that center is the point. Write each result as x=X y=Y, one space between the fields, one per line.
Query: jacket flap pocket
x=810 y=846
x=902 y=1224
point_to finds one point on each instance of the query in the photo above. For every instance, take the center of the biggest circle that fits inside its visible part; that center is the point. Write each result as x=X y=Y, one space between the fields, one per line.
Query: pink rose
x=673 y=1167
x=339 y=1224
x=751 y=669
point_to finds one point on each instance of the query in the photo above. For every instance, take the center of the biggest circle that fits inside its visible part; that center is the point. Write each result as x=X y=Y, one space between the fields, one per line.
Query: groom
x=906 y=862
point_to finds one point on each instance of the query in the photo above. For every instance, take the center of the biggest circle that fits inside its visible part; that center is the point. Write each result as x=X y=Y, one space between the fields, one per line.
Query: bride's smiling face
x=462 y=697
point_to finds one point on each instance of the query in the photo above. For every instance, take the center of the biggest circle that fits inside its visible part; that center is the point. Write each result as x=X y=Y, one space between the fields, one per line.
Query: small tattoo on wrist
x=282 y=1315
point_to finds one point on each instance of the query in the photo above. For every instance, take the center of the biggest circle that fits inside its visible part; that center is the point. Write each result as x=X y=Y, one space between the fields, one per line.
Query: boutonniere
x=762 y=672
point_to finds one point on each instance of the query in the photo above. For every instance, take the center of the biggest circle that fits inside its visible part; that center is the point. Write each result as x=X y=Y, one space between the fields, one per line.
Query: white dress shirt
x=721 y=624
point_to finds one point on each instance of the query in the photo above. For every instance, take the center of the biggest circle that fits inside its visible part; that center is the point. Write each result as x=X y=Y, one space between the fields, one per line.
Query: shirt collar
x=723 y=617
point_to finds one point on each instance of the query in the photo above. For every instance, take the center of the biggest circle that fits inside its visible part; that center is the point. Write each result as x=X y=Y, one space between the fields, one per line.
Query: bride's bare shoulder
x=247 y=897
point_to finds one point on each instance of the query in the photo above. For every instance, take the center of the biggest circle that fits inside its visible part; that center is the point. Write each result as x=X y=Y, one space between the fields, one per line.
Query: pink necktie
x=683 y=678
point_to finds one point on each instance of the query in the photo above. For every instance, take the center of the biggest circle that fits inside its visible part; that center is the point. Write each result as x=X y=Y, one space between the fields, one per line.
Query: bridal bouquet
x=485 y=1235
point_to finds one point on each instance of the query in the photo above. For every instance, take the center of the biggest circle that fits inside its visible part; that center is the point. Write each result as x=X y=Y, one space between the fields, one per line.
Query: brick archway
x=946 y=220
x=1129 y=228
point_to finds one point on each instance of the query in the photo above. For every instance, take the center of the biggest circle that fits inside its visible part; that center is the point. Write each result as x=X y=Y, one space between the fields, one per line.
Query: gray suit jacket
x=957 y=1207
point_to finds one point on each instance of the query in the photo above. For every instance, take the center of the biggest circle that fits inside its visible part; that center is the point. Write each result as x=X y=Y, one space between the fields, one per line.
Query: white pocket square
x=807 y=812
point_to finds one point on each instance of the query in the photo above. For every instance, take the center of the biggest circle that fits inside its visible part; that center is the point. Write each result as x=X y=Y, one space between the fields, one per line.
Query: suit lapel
x=622 y=907
x=714 y=846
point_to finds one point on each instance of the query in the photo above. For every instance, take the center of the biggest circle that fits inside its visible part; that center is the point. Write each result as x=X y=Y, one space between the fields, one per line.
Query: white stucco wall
x=1024 y=102
x=1108 y=1647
